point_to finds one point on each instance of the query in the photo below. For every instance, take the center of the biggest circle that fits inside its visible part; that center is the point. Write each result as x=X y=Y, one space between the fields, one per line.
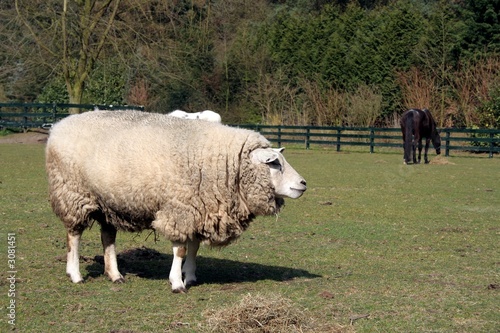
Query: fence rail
x=33 y=115
x=20 y=115
x=459 y=139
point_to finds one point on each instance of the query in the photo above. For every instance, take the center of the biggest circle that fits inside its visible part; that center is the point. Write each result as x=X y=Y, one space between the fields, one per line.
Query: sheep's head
x=286 y=181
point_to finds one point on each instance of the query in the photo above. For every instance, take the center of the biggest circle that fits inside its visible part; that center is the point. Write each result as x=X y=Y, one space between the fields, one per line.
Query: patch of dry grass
x=265 y=314
x=441 y=160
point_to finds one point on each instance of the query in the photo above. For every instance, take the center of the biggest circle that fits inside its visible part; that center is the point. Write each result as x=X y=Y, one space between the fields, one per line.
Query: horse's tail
x=408 y=144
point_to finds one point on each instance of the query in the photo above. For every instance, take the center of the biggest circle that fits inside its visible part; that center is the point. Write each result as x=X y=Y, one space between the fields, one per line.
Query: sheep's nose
x=303 y=182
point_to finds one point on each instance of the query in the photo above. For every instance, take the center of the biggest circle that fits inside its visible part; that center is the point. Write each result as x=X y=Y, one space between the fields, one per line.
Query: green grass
x=4 y=132
x=415 y=247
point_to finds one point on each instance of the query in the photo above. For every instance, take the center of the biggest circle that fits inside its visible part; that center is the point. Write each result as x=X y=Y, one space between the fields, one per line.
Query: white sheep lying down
x=190 y=181
x=206 y=115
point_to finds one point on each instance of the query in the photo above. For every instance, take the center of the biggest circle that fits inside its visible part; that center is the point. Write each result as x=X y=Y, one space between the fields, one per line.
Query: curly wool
x=136 y=170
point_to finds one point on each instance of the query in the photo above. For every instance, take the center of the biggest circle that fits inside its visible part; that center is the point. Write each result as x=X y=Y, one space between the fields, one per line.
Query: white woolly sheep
x=210 y=116
x=206 y=115
x=191 y=182
x=179 y=114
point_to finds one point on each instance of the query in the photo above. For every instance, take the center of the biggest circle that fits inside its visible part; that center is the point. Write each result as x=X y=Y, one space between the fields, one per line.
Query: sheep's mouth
x=297 y=192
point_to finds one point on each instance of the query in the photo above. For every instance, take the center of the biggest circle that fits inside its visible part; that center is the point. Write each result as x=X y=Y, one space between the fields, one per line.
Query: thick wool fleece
x=134 y=170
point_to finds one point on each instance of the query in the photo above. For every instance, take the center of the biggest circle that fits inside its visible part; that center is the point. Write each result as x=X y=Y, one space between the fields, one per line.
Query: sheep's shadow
x=151 y=264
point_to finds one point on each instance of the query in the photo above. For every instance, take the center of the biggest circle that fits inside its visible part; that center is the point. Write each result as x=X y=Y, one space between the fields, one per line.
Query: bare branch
x=32 y=32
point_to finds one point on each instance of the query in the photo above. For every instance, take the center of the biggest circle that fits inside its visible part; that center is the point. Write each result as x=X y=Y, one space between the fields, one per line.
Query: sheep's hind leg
x=108 y=237
x=189 y=268
x=175 y=276
x=73 y=258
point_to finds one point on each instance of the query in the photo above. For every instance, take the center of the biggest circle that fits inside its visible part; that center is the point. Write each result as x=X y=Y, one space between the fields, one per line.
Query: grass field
x=372 y=246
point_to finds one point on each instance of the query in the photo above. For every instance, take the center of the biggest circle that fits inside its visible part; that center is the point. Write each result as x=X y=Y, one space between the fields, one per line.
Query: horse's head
x=436 y=141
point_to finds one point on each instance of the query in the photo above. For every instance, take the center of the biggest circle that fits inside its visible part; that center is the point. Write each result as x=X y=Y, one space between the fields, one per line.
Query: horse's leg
x=406 y=150
x=426 y=160
x=416 y=141
x=419 y=150
x=404 y=147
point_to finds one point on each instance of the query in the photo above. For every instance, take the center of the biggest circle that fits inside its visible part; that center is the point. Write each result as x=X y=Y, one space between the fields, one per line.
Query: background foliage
x=353 y=63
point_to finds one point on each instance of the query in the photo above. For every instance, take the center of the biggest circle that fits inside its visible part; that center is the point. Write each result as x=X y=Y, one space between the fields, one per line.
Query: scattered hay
x=264 y=314
x=257 y=314
x=441 y=160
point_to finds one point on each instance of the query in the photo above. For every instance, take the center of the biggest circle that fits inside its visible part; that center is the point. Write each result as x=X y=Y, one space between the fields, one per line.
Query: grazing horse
x=415 y=125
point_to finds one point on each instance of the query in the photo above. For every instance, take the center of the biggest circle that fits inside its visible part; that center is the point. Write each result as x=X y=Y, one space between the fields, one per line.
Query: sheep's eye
x=275 y=164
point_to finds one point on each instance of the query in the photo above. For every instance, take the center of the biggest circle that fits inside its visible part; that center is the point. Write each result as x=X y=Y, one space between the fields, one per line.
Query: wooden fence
x=33 y=115
x=472 y=140
x=19 y=115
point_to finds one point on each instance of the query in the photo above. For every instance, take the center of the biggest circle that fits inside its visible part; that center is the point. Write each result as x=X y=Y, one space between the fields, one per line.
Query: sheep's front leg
x=108 y=237
x=175 y=276
x=189 y=268
x=73 y=258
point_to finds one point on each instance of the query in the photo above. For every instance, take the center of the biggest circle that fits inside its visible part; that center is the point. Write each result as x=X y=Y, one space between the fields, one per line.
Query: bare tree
x=364 y=107
x=71 y=35
x=326 y=107
x=419 y=90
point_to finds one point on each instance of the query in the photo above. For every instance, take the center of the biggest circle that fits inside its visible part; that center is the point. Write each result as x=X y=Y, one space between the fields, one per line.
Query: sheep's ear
x=279 y=150
x=266 y=156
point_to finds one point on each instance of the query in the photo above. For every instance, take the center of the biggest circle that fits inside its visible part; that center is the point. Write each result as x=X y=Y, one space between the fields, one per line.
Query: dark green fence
x=19 y=115
x=36 y=115
x=472 y=140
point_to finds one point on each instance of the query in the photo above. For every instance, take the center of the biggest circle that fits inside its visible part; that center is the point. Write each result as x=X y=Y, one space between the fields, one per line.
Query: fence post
x=279 y=136
x=339 y=131
x=307 y=137
x=54 y=106
x=25 y=119
x=372 y=140
x=491 y=145
x=447 y=143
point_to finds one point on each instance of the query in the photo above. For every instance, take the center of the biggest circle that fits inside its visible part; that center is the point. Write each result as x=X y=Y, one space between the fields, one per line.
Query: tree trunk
x=75 y=96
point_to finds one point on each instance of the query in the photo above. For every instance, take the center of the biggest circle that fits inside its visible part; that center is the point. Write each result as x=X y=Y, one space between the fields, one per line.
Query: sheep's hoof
x=180 y=290
x=76 y=280
x=120 y=280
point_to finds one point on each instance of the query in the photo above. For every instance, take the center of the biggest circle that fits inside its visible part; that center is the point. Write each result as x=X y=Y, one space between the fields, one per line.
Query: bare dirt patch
x=30 y=137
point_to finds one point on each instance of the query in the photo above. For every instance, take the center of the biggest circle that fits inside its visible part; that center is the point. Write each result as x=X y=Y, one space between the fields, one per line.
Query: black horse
x=415 y=125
